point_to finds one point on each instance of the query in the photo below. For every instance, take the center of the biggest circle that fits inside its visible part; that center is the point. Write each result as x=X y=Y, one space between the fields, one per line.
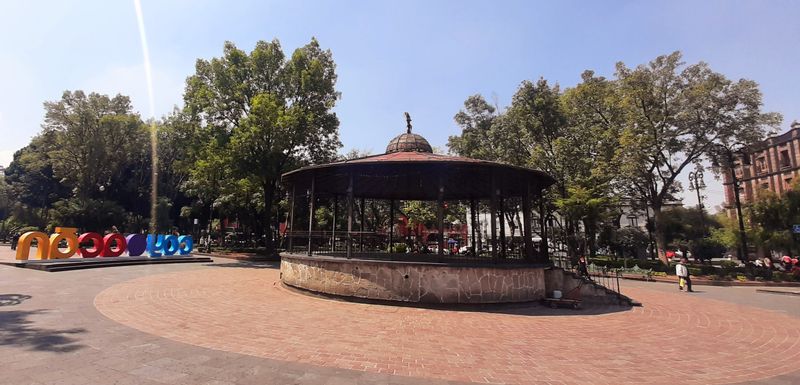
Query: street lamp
x=696 y=183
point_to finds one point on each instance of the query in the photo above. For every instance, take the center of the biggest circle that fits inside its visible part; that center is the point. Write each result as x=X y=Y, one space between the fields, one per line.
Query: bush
x=706 y=248
x=646 y=264
x=741 y=278
x=399 y=248
x=708 y=270
x=695 y=271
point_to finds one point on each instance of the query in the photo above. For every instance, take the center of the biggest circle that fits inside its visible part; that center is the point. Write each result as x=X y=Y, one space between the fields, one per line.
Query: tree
x=478 y=137
x=94 y=139
x=264 y=114
x=32 y=182
x=629 y=241
x=675 y=115
x=772 y=218
x=419 y=213
x=571 y=135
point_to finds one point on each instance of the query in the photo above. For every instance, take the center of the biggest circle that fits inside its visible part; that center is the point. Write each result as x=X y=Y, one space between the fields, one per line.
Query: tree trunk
x=661 y=240
x=571 y=239
x=269 y=195
x=591 y=234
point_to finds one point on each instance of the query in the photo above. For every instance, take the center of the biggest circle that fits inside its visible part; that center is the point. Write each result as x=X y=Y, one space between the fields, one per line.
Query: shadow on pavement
x=13 y=299
x=534 y=309
x=16 y=329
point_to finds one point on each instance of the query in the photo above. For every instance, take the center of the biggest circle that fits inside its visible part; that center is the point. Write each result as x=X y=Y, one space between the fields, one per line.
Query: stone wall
x=413 y=282
x=559 y=279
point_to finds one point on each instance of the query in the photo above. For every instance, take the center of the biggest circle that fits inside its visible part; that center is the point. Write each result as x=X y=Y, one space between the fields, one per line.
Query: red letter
x=97 y=244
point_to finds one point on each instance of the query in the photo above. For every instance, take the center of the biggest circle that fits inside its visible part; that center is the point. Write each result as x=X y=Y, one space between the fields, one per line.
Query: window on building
x=746 y=159
x=765 y=186
x=761 y=165
x=633 y=221
x=788 y=182
x=785 y=160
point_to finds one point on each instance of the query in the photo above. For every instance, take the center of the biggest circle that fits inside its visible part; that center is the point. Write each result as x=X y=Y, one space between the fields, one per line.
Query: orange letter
x=63 y=233
x=24 y=247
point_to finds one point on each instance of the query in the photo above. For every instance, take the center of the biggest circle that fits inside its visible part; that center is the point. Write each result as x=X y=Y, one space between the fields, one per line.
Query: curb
x=781 y=292
x=718 y=283
x=243 y=258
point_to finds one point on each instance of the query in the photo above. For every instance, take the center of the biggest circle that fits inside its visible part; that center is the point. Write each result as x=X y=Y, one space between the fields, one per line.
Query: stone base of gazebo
x=414 y=281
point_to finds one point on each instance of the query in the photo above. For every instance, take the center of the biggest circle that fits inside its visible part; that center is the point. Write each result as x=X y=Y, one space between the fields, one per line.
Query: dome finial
x=408 y=122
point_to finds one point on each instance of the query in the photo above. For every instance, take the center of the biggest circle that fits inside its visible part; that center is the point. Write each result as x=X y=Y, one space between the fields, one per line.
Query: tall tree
x=32 y=182
x=674 y=115
x=264 y=114
x=95 y=137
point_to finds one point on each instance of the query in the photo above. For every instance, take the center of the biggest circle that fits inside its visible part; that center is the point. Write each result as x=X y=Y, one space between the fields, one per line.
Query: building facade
x=771 y=165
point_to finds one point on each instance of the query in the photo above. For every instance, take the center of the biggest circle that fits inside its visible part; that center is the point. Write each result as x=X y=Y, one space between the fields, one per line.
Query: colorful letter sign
x=111 y=245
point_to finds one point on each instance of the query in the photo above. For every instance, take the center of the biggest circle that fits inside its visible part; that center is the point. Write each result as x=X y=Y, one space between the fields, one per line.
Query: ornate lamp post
x=696 y=182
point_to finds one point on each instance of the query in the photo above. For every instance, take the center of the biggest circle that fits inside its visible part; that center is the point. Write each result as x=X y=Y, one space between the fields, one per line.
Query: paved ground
x=230 y=323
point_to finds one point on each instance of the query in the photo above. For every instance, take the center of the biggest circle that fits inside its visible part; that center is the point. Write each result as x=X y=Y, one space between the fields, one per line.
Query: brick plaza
x=233 y=323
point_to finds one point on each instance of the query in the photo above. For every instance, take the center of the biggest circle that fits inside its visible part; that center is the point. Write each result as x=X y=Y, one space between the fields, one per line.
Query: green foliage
x=263 y=115
x=87 y=214
x=399 y=248
x=772 y=218
x=630 y=241
x=630 y=262
x=94 y=150
x=571 y=135
x=706 y=248
x=674 y=115
x=728 y=234
x=419 y=213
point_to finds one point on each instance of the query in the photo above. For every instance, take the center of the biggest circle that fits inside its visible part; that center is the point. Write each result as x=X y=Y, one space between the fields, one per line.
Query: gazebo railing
x=376 y=245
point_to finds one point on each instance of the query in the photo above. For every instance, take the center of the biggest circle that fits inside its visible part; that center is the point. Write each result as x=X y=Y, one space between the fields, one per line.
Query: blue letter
x=186 y=244
x=155 y=243
x=171 y=245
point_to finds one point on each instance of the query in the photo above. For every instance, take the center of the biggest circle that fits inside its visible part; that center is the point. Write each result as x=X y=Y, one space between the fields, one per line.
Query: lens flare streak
x=153 y=137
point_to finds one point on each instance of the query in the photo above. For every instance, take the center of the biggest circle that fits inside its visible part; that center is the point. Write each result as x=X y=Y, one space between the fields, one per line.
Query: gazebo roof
x=410 y=170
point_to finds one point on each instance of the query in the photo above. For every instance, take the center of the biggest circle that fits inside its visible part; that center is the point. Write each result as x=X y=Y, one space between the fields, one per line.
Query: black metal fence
x=369 y=244
x=601 y=275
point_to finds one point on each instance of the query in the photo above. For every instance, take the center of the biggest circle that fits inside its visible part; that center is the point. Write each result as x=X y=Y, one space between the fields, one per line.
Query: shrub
x=399 y=248
x=706 y=248
x=708 y=270
x=741 y=278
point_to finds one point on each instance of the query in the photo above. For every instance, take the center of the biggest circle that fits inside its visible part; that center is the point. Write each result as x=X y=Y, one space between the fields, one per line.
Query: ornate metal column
x=311 y=197
x=526 y=225
x=350 y=217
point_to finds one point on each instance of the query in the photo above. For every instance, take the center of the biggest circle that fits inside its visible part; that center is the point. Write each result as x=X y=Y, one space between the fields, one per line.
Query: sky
x=424 y=57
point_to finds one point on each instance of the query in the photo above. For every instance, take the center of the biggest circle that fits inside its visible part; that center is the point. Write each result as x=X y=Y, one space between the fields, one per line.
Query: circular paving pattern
x=674 y=338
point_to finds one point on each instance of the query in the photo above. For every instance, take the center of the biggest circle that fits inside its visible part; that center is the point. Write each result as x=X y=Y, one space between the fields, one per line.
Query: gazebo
x=409 y=170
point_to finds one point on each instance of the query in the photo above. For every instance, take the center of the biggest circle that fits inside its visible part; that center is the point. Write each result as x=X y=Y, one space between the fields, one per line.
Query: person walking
x=14 y=240
x=682 y=271
x=582 y=269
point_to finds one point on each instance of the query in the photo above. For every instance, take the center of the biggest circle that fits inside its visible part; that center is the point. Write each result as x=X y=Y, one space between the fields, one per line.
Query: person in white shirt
x=683 y=272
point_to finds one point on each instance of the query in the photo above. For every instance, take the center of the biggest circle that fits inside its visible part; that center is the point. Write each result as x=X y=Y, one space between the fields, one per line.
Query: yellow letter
x=24 y=246
x=68 y=233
